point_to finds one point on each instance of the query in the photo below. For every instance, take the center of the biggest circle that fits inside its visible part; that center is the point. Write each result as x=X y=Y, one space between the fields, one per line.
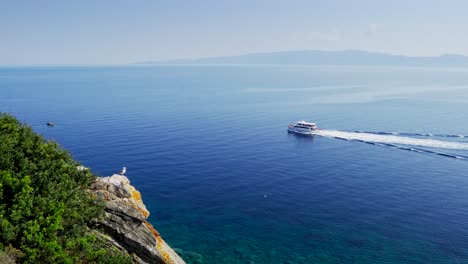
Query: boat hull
x=302 y=131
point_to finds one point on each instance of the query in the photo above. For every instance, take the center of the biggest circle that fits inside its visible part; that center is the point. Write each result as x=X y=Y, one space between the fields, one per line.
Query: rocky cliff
x=124 y=224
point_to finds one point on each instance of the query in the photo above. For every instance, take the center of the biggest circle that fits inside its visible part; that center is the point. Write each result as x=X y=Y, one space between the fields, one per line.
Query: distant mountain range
x=314 y=57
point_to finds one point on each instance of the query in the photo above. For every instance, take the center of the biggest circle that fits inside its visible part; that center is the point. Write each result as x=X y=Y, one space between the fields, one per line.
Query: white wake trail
x=391 y=139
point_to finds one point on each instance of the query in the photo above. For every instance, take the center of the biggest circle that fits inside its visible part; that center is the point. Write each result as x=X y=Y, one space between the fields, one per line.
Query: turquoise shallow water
x=225 y=183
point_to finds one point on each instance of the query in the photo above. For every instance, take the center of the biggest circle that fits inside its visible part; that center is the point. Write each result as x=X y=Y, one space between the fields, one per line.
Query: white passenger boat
x=303 y=127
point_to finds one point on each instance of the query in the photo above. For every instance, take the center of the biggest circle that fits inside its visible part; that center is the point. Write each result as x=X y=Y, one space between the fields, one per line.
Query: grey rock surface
x=125 y=224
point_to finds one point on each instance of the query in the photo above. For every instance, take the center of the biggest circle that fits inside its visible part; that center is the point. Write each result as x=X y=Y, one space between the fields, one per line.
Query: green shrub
x=45 y=209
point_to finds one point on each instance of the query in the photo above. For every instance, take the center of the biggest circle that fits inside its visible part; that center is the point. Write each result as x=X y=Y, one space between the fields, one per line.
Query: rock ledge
x=125 y=224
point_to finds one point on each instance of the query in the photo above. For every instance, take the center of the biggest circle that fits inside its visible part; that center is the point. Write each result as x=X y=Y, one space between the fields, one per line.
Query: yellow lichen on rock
x=138 y=202
x=151 y=228
x=136 y=195
x=166 y=257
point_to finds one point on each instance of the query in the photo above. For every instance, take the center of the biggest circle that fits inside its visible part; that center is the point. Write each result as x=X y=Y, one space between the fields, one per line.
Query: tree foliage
x=45 y=208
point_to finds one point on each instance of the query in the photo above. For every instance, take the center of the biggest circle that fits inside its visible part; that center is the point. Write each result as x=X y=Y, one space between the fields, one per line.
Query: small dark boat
x=50 y=124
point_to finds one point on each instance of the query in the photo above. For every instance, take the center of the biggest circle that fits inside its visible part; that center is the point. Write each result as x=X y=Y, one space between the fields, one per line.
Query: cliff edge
x=124 y=224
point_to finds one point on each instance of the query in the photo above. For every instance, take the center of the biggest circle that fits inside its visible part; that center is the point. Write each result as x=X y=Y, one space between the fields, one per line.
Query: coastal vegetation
x=46 y=210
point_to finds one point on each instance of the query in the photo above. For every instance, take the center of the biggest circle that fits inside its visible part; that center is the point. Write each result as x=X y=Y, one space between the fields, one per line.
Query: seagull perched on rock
x=124 y=170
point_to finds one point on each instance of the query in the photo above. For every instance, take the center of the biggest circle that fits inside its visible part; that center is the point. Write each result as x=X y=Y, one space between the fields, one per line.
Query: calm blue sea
x=208 y=148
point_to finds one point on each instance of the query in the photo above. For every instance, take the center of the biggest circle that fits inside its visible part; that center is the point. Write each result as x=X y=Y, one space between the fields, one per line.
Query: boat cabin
x=304 y=124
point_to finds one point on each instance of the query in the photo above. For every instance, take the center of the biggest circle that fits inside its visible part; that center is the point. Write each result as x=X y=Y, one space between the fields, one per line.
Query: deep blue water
x=207 y=147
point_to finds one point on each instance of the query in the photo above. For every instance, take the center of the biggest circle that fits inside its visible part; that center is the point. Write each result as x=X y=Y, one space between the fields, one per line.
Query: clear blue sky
x=124 y=31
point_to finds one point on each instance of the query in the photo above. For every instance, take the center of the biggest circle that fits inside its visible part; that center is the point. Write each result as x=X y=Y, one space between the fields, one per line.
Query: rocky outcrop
x=125 y=225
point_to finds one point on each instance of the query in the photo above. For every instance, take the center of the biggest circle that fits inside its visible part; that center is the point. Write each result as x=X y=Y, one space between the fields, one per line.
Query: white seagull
x=123 y=171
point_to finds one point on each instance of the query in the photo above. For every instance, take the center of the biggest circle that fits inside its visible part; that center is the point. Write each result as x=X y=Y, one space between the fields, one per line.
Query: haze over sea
x=208 y=148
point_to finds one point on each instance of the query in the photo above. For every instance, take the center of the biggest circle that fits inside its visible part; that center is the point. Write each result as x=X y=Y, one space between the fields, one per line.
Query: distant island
x=316 y=57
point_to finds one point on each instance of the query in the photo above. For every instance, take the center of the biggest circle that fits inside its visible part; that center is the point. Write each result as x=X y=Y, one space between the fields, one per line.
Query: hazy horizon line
x=194 y=59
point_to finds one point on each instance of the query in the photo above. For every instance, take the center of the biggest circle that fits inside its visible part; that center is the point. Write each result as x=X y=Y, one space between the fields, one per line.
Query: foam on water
x=411 y=134
x=394 y=138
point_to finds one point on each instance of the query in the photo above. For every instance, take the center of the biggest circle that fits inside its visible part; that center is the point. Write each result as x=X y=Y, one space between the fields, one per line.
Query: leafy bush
x=45 y=209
